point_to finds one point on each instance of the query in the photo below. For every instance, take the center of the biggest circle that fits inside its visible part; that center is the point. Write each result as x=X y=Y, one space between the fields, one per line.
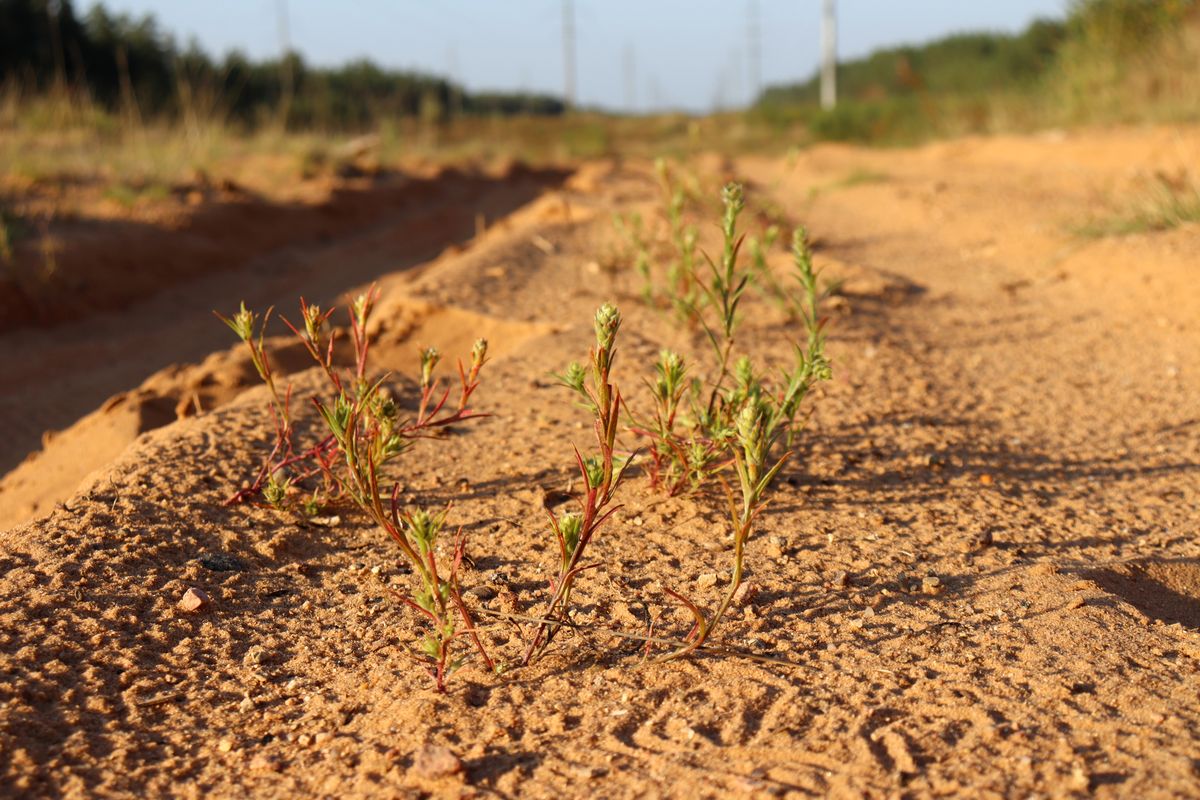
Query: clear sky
x=639 y=54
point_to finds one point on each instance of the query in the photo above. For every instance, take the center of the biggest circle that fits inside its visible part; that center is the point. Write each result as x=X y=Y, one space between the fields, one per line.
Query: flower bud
x=570 y=526
x=733 y=198
x=670 y=373
x=429 y=359
x=750 y=424
x=313 y=322
x=607 y=321
x=241 y=323
x=574 y=376
x=362 y=309
x=424 y=528
x=594 y=467
x=479 y=352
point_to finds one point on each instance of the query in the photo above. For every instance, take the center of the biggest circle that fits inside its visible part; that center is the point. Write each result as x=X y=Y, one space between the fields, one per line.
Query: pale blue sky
x=687 y=54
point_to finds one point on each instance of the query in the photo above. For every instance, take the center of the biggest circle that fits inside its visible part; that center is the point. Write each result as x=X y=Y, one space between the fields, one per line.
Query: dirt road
x=984 y=567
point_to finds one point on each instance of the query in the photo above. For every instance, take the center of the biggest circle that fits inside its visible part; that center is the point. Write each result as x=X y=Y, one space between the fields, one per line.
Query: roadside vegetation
x=721 y=421
x=1107 y=61
x=133 y=103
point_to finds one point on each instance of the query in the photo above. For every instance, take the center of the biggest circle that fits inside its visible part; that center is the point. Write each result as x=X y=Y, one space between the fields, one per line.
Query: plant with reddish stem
x=366 y=430
x=761 y=424
x=601 y=474
x=248 y=327
x=370 y=431
x=681 y=456
x=737 y=417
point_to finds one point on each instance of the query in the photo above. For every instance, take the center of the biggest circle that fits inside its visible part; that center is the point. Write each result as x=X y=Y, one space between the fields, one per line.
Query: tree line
x=128 y=64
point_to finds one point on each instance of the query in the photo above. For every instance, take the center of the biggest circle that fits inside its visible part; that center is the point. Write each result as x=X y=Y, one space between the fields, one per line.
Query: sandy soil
x=1013 y=414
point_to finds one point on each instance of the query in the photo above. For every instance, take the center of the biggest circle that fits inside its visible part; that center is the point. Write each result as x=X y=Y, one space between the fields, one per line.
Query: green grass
x=1169 y=205
x=858 y=177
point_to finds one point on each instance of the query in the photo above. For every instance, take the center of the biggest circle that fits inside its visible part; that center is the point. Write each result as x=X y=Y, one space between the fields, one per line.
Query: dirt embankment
x=983 y=568
x=112 y=376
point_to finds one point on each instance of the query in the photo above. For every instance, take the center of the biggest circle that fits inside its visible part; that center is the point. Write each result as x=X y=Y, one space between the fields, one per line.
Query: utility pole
x=829 y=55
x=630 y=69
x=754 y=50
x=568 y=20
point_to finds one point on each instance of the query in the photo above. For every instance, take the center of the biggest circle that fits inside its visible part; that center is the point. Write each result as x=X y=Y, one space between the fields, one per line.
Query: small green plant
x=724 y=291
x=366 y=430
x=601 y=473
x=636 y=249
x=761 y=425
x=251 y=329
x=682 y=290
x=736 y=419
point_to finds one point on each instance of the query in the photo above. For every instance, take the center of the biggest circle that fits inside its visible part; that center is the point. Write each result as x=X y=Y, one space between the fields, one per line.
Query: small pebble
x=707 y=580
x=931 y=584
x=745 y=593
x=225 y=745
x=433 y=762
x=194 y=600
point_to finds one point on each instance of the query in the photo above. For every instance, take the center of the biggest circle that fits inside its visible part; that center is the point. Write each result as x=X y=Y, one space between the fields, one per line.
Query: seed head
x=314 y=321
x=594 y=466
x=276 y=491
x=570 y=525
x=242 y=322
x=573 y=377
x=608 y=320
x=733 y=198
x=479 y=352
x=750 y=424
x=362 y=309
x=424 y=528
x=690 y=237
x=338 y=417
x=429 y=359
x=670 y=373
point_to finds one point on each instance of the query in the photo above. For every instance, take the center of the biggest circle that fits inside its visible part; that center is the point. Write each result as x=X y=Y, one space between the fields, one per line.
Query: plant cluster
x=365 y=428
x=601 y=473
x=731 y=416
x=722 y=422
